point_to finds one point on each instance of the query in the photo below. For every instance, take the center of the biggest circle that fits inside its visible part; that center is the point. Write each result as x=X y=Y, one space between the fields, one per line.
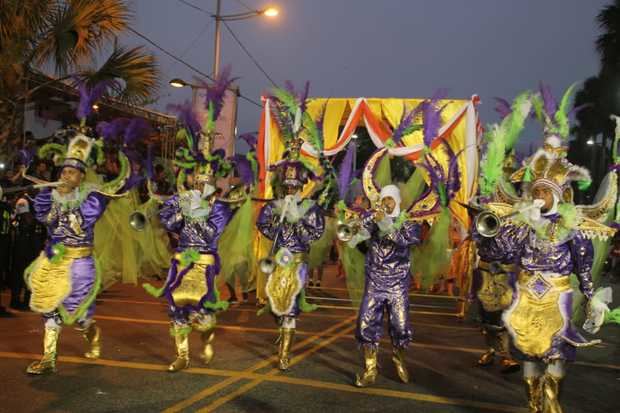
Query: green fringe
x=583 y=185
x=528 y=176
x=59 y=251
x=52 y=148
x=183 y=331
x=154 y=291
x=305 y=306
x=217 y=305
x=613 y=317
x=68 y=318
x=117 y=183
x=265 y=310
x=188 y=257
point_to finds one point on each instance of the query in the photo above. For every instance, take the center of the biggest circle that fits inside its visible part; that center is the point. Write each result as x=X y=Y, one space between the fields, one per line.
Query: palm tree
x=66 y=35
x=600 y=95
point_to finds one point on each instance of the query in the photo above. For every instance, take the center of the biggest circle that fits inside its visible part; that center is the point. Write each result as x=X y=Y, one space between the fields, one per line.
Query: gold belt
x=78 y=252
x=487 y=266
x=205 y=259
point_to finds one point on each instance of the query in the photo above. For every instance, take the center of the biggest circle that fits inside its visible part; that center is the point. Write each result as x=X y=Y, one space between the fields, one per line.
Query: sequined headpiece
x=78 y=152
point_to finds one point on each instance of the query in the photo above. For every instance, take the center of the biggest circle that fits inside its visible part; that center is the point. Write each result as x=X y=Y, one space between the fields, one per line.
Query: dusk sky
x=386 y=48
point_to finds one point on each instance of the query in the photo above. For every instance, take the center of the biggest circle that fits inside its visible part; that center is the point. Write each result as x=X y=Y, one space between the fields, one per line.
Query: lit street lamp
x=268 y=12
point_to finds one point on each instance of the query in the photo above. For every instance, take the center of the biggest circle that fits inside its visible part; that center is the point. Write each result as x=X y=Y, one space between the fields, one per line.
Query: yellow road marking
x=249 y=386
x=215 y=388
x=276 y=379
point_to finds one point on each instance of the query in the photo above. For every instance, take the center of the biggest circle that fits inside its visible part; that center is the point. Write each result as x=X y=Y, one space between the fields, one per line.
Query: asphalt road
x=131 y=376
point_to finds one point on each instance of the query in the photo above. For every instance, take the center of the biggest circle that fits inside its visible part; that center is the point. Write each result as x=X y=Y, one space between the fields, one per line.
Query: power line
x=200 y=72
x=245 y=5
x=247 y=52
x=193 y=6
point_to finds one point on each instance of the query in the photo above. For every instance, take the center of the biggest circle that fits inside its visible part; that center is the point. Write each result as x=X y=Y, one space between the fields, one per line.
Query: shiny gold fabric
x=536 y=318
x=51 y=283
x=283 y=286
x=194 y=284
x=495 y=292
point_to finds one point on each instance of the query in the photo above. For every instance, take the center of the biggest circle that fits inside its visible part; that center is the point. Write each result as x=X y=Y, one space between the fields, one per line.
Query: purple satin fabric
x=387 y=285
x=295 y=237
x=83 y=276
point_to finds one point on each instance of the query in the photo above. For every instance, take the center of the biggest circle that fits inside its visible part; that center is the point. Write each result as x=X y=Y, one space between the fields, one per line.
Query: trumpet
x=13 y=189
x=488 y=223
x=137 y=221
x=346 y=230
x=267 y=265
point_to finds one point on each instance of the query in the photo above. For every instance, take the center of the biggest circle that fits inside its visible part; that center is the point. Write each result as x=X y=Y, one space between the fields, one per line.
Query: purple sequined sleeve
x=170 y=215
x=92 y=208
x=407 y=235
x=506 y=247
x=42 y=206
x=219 y=217
x=582 y=252
x=311 y=226
x=267 y=222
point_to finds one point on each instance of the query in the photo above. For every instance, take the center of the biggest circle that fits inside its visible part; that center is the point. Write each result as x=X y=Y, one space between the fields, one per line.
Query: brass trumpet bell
x=137 y=221
x=487 y=224
x=267 y=265
x=345 y=232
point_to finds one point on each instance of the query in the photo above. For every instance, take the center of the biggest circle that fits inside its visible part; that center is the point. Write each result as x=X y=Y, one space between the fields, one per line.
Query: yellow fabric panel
x=393 y=111
x=334 y=111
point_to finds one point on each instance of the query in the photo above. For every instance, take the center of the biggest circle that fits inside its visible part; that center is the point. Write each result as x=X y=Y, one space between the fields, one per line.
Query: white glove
x=597 y=310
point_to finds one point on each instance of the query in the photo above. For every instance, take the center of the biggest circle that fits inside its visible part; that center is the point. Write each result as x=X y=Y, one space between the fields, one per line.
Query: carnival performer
x=292 y=222
x=198 y=218
x=64 y=279
x=494 y=276
x=387 y=284
x=549 y=239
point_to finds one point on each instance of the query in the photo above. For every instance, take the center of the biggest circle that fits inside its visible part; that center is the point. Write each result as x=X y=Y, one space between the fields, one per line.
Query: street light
x=176 y=82
x=268 y=12
x=590 y=141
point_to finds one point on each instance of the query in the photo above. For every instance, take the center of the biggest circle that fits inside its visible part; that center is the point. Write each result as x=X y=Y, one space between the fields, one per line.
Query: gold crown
x=548 y=169
x=79 y=152
x=204 y=173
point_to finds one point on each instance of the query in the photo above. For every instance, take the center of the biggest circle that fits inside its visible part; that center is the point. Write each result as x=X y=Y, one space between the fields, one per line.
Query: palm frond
x=75 y=30
x=133 y=71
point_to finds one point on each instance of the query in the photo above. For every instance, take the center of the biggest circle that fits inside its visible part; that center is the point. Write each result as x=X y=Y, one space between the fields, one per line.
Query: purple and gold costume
x=539 y=319
x=190 y=286
x=285 y=284
x=63 y=279
x=387 y=284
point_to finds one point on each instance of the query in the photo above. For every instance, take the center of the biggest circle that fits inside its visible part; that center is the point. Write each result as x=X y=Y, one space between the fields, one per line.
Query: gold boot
x=534 y=394
x=398 y=357
x=551 y=393
x=284 y=349
x=508 y=364
x=369 y=375
x=181 y=341
x=92 y=335
x=488 y=357
x=207 y=337
x=47 y=364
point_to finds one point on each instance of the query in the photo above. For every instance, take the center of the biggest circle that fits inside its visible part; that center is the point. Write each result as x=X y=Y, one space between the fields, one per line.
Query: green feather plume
x=52 y=149
x=561 y=115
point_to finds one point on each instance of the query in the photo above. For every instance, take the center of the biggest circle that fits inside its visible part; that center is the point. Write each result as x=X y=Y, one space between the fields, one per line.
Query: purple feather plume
x=345 y=174
x=250 y=138
x=244 y=169
x=432 y=120
x=549 y=102
x=112 y=131
x=25 y=157
x=502 y=107
x=454 y=174
x=187 y=116
x=137 y=129
x=406 y=121
x=304 y=96
x=90 y=95
x=217 y=90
